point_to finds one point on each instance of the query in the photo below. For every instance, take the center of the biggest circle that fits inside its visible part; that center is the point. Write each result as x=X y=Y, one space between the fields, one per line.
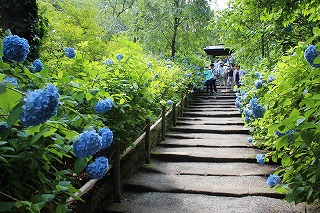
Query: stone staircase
x=204 y=165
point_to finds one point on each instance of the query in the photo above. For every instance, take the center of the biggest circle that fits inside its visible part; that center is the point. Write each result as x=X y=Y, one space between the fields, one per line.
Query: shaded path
x=204 y=165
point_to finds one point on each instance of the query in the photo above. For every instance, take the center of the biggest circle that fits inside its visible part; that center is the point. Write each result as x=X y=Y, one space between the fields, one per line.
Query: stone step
x=206 y=154
x=214 y=97
x=242 y=137
x=209 y=121
x=220 y=114
x=212 y=108
x=220 y=129
x=210 y=169
x=229 y=186
x=215 y=104
x=157 y=202
x=216 y=142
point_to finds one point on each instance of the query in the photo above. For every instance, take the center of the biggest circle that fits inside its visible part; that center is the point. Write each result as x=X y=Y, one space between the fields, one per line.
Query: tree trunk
x=174 y=37
x=21 y=18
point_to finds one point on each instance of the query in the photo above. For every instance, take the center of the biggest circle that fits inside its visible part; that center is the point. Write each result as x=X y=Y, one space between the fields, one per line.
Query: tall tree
x=21 y=18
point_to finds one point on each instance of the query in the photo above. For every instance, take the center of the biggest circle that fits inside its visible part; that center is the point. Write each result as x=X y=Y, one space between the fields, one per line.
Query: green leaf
x=2 y=88
x=88 y=96
x=6 y=206
x=15 y=114
x=317 y=60
x=3 y=159
x=307 y=137
x=61 y=209
x=9 y=99
x=281 y=142
x=80 y=164
x=47 y=197
x=316 y=31
x=37 y=206
x=38 y=136
x=286 y=160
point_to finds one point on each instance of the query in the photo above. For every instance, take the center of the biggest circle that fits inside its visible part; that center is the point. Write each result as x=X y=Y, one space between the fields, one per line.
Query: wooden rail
x=115 y=164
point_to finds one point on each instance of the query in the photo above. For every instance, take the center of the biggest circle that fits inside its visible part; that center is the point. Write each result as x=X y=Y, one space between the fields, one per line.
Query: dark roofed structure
x=218 y=50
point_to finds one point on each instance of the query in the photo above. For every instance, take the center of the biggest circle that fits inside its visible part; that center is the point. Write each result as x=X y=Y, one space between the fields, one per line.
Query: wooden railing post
x=147 y=141
x=117 y=175
x=174 y=114
x=182 y=105
x=187 y=99
x=163 y=123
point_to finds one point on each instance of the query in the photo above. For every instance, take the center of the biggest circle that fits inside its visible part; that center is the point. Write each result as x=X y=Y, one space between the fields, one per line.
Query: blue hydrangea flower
x=237 y=103
x=173 y=84
x=11 y=80
x=107 y=137
x=249 y=139
x=289 y=132
x=247 y=112
x=310 y=54
x=15 y=48
x=185 y=69
x=89 y=143
x=37 y=65
x=98 y=168
x=247 y=119
x=3 y=126
x=103 y=106
x=273 y=180
x=257 y=110
x=156 y=75
x=170 y=102
x=169 y=66
x=70 y=53
x=258 y=74
x=108 y=61
x=149 y=64
x=150 y=80
x=260 y=158
x=119 y=56
x=40 y=105
x=271 y=78
x=258 y=83
x=201 y=87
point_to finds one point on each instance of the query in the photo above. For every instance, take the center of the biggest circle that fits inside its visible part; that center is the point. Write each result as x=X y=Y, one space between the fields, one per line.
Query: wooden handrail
x=88 y=185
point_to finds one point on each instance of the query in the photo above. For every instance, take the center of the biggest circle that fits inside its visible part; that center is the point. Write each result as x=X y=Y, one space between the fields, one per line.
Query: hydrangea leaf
x=317 y=60
x=316 y=31
x=80 y=164
x=286 y=160
x=38 y=136
x=2 y=88
x=6 y=206
x=9 y=99
x=15 y=114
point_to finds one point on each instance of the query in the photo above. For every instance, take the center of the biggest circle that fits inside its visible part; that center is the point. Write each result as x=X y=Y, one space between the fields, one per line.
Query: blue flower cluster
x=249 y=139
x=187 y=74
x=15 y=48
x=89 y=143
x=258 y=74
x=107 y=137
x=70 y=53
x=237 y=103
x=271 y=78
x=170 y=102
x=260 y=158
x=108 y=61
x=149 y=64
x=258 y=83
x=310 y=54
x=173 y=85
x=40 y=105
x=119 y=56
x=11 y=80
x=98 y=168
x=289 y=132
x=103 y=106
x=3 y=126
x=273 y=180
x=37 y=65
x=247 y=112
x=156 y=75
x=257 y=110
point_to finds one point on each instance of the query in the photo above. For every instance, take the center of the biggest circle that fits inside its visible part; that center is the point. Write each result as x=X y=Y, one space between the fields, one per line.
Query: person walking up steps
x=237 y=74
x=230 y=77
x=214 y=77
x=209 y=79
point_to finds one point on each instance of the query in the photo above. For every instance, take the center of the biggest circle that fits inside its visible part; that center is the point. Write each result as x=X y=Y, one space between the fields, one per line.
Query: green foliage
x=277 y=34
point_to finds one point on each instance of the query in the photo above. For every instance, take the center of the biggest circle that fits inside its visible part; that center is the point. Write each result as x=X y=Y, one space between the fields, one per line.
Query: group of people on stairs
x=222 y=74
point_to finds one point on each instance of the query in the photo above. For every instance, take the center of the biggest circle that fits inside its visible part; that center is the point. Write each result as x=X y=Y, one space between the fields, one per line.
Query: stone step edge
x=223 y=192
